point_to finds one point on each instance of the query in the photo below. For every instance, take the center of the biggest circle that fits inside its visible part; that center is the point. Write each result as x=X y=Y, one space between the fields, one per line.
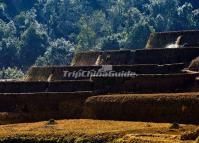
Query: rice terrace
x=149 y=95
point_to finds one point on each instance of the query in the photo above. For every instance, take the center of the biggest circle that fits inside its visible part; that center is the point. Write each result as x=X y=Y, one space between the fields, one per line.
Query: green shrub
x=175 y=126
x=11 y=73
x=51 y=122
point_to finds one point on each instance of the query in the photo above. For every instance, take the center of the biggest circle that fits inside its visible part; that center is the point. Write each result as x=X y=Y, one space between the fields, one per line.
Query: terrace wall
x=145 y=83
x=144 y=56
x=28 y=107
x=162 y=39
x=43 y=73
x=166 y=56
x=37 y=86
x=178 y=108
x=85 y=58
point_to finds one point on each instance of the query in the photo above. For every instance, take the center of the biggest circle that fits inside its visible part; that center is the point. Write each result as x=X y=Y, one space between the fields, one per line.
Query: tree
x=3 y=15
x=87 y=37
x=185 y=17
x=92 y=28
x=159 y=23
x=7 y=29
x=28 y=26
x=138 y=36
x=9 y=44
x=133 y=16
x=59 y=52
x=110 y=43
x=196 y=17
x=34 y=41
x=61 y=17
x=24 y=20
x=9 y=48
x=14 y=7
x=11 y=73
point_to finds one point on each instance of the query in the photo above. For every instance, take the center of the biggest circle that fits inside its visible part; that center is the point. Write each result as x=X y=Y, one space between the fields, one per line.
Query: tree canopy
x=48 y=32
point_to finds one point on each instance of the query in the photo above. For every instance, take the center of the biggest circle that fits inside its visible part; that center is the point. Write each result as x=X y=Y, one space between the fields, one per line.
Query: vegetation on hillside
x=11 y=73
x=48 y=32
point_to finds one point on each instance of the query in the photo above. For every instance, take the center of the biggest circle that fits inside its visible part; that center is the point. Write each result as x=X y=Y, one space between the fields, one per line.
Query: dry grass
x=94 y=130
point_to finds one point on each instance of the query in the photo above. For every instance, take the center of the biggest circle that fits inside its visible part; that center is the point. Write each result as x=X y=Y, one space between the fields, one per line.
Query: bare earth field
x=83 y=131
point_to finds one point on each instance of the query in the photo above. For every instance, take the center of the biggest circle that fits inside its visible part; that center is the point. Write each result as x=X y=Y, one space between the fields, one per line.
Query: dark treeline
x=48 y=32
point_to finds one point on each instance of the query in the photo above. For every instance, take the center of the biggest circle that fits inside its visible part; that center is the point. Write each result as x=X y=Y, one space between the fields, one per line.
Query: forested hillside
x=48 y=32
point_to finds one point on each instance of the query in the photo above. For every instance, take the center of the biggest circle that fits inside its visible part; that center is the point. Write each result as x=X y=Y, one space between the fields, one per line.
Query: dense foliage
x=11 y=73
x=48 y=32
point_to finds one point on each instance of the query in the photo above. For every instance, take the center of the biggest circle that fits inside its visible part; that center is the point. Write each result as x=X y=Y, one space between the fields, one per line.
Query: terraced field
x=163 y=88
x=85 y=131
